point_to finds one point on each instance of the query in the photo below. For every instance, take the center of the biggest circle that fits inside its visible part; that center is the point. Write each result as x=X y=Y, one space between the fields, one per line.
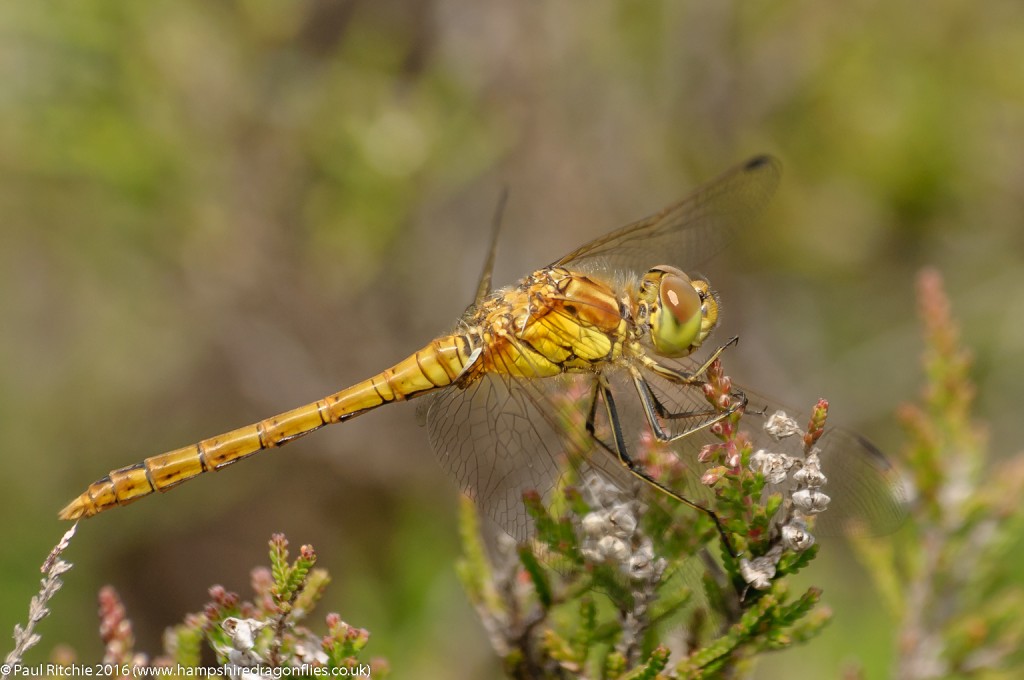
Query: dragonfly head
x=681 y=312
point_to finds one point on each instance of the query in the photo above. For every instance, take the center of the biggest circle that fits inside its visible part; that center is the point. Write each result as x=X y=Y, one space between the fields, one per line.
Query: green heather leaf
x=538 y=576
x=710 y=657
x=654 y=665
x=615 y=664
x=279 y=564
x=474 y=570
x=588 y=623
x=559 y=649
x=316 y=584
x=792 y=562
x=796 y=610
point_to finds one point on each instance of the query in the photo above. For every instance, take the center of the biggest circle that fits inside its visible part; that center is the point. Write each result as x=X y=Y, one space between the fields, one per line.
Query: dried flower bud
x=811 y=477
x=595 y=524
x=623 y=520
x=774 y=466
x=599 y=491
x=759 y=571
x=810 y=501
x=641 y=563
x=779 y=426
x=795 y=535
x=243 y=631
x=613 y=549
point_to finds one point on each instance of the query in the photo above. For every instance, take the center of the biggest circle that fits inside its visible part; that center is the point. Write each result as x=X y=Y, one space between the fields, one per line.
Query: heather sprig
x=610 y=583
x=53 y=567
x=264 y=632
x=953 y=584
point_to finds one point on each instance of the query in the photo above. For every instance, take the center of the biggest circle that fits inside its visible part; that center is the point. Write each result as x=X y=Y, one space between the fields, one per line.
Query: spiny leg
x=688 y=377
x=619 y=450
x=655 y=411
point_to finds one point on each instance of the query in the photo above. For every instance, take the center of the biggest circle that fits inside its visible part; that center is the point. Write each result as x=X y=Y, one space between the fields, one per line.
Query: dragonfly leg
x=656 y=411
x=688 y=378
x=618 y=449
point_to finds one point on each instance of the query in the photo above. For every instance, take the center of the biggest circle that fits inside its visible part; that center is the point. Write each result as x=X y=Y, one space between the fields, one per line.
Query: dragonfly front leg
x=618 y=449
x=656 y=411
x=687 y=378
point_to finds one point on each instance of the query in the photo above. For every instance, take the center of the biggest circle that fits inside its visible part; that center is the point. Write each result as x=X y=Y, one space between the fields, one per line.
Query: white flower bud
x=613 y=549
x=596 y=524
x=811 y=477
x=810 y=501
x=779 y=425
x=795 y=535
x=757 y=572
x=774 y=466
x=243 y=631
x=622 y=520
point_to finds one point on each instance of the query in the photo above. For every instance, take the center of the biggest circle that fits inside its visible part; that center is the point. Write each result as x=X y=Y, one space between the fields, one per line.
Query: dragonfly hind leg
x=618 y=449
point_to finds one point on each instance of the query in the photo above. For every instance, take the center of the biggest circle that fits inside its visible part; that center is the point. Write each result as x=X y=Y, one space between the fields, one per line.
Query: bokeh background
x=214 y=211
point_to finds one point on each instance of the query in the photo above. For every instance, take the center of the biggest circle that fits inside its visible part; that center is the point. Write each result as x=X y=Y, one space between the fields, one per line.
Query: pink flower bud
x=711 y=477
x=708 y=453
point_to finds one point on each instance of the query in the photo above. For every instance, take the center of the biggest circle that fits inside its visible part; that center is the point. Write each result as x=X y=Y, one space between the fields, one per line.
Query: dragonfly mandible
x=620 y=308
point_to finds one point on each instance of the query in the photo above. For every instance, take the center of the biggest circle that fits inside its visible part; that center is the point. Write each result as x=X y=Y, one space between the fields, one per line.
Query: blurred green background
x=214 y=211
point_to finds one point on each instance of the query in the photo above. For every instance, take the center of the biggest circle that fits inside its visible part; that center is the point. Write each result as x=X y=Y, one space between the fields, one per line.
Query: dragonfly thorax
x=554 y=321
x=680 y=312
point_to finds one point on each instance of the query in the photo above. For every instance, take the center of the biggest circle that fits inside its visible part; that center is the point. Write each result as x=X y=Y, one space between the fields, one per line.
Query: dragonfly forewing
x=686 y=233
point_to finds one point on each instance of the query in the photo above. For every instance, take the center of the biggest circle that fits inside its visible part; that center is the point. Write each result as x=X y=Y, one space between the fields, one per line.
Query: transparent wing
x=689 y=232
x=500 y=436
x=867 y=492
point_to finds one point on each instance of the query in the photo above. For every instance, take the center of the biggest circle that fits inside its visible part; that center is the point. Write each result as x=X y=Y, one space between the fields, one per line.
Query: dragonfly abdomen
x=436 y=365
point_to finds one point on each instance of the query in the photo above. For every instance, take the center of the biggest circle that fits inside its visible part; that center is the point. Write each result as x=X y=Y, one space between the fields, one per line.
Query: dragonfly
x=618 y=319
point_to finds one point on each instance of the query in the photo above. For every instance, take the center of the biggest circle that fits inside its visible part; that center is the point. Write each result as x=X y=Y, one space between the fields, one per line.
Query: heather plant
x=243 y=638
x=617 y=580
x=953 y=581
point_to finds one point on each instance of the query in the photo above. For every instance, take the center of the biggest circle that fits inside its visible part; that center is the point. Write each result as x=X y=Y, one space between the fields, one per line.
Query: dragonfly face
x=680 y=312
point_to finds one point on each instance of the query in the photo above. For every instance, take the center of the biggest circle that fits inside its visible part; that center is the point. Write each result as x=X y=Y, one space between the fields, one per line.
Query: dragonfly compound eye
x=683 y=313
